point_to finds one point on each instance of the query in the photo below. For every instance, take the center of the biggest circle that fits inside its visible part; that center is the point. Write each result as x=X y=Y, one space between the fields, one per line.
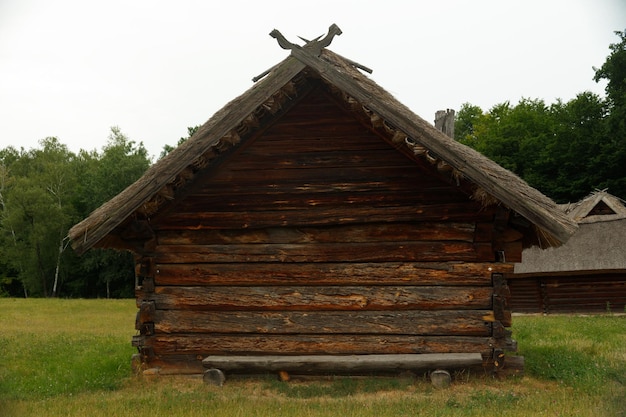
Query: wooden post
x=444 y=121
x=214 y=376
x=440 y=378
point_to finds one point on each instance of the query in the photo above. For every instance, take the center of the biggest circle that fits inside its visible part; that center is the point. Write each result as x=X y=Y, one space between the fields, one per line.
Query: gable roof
x=596 y=207
x=596 y=246
x=269 y=97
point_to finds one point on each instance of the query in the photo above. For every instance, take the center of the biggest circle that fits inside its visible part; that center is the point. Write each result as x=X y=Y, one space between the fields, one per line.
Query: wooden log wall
x=318 y=237
x=586 y=293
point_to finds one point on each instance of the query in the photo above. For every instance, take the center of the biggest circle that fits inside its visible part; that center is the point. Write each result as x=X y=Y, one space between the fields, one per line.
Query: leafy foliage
x=614 y=150
x=169 y=148
x=43 y=192
x=566 y=150
x=559 y=149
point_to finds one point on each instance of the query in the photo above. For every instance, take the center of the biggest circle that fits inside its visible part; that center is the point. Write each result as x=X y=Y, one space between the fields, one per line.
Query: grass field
x=72 y=358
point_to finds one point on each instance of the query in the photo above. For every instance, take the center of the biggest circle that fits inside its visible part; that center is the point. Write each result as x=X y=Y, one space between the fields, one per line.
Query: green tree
x=548 y=146
x=37 y=214
x=510 y=135
x=613 y=150
x=566 y=149
x=43 y=192
x=466 y=119
x=9 y=268
x=569 y=164
x=614 y=72
x=102 y=272
x=169 y=148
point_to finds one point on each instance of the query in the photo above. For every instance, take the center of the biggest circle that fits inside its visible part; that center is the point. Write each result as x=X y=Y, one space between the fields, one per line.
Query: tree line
x=565 y=149
x=43 y=193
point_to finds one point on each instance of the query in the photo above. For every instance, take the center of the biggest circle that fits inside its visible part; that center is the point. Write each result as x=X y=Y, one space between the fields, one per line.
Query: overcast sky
x=74 y=68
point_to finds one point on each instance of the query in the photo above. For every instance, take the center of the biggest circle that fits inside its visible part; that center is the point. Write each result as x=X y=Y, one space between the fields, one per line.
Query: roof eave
x=111 y=214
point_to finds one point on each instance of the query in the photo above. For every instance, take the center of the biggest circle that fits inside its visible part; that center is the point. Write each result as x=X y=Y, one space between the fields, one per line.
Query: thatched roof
x=599 y=206
x=598 y=245
x=269 y=97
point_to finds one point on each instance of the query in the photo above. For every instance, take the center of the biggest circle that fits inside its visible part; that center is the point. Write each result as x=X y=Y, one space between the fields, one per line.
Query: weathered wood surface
x=440 y=378
x=364 y=233
x=319 y=166
x=324 y=274
x=329 y=252
x=317 y=237
x=457 y=323
x=307 y=216
x=567 y=294
x=342 y=363
x=444 y=121
x=344 y=298
x=526 y=296
x=501 y=300
x=214 y=377
x=493 y=179
x=220 y=125
x=320 y=344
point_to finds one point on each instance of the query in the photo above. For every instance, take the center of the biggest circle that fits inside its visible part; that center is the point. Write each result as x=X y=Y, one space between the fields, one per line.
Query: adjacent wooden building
x=587 y=274
x=317 y=215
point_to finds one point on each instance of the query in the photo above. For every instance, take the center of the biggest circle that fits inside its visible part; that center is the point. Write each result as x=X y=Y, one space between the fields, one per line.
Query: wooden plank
x=525 y=295
x=326 y=252
x=342 y=363
x=217 y=344
x=315 y=216
x=451 y=323
x=288 y=154
x=305 y=298
x=351 y=233
x=339 y=188
x=271 y=196
x=390 y=273
x=592 y=293
x=354 y=174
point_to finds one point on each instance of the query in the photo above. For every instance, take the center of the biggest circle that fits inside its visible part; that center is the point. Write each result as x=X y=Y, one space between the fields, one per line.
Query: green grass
x=72 y=358
x=63 y=347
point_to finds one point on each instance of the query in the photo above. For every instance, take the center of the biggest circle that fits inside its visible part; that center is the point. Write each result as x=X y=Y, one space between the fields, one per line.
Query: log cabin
x=314 y=217
x=585 y=275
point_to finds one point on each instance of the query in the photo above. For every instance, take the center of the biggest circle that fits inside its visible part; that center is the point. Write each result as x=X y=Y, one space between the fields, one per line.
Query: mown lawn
x=72 y=358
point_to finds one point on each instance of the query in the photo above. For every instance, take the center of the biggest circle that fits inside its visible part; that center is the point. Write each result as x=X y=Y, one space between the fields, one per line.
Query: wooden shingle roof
x=271 y=96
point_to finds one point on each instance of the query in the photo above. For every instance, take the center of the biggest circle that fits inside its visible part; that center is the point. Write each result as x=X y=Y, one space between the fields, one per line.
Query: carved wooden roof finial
x=313 y=47
x=316 y=44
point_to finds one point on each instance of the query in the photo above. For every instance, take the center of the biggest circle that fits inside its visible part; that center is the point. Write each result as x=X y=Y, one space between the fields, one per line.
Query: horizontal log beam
x=263 y=196
x=316 y=216
x=387 y=273
x=452 y=323
x=327 y=252
x=343 y=363
x=303 y=298
x=381 y=232
x=217 y=344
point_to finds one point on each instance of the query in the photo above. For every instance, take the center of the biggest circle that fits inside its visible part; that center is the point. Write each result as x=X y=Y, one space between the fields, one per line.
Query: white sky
x=74 y=68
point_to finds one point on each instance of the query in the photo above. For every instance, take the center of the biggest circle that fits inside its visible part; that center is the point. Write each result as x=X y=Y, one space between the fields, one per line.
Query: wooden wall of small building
x=591 y=292
x=318 y=237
